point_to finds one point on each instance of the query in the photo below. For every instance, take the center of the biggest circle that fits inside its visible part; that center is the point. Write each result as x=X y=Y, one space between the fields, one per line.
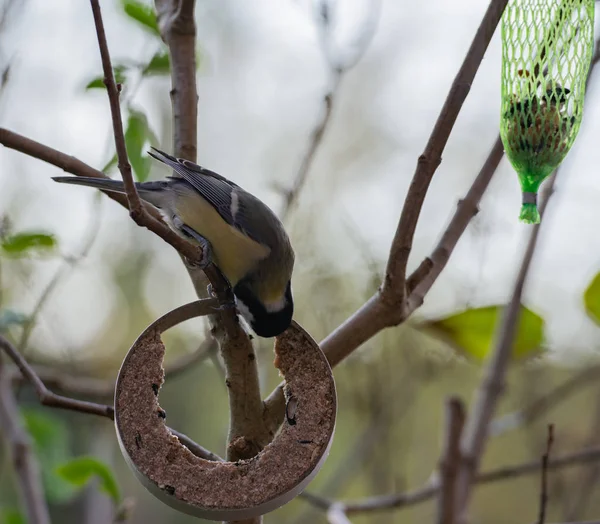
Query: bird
x=246 y=240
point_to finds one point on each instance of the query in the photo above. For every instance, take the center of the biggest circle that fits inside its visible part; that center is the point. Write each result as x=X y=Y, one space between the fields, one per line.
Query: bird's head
x=268 y=316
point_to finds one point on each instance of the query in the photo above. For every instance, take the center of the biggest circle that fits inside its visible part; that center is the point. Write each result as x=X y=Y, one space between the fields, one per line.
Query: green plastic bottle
x=547 y=47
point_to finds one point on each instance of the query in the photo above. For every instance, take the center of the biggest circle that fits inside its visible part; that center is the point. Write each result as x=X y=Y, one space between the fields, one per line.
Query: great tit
x=248 y=242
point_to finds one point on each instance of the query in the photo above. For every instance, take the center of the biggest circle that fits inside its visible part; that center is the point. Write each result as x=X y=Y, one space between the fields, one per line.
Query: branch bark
x=48 y=398
x=178 y=30
x=431 y=489
x=394 y=285
x=193 y=253
x=376 y=315
x=25 y=465
x=247 y=432
x=492 y=386
x=450 y=462
x=544 y=476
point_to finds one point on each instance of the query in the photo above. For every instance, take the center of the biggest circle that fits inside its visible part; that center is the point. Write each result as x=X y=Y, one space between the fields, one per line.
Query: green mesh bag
x=546 y=53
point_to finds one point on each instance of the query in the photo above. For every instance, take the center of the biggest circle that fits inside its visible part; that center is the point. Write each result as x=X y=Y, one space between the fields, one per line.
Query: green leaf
x=591 y=299
x=11 y=516
x=137 y=135
x=472 y=332
x=81 y=470
x=9 y=318
x=110 y=164
x=159 y=65
x=21 y=243
x=51 y=442
x=143 y=14
x=98 y=82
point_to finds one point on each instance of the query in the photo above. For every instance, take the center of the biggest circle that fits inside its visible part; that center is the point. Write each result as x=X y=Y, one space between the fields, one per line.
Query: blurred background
x=79 y=281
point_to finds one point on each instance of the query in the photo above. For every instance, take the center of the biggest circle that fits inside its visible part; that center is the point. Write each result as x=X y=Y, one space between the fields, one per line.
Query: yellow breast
x=234 y=253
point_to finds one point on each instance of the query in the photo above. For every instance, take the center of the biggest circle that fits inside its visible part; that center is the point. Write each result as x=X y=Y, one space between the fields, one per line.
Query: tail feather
x=105 y=184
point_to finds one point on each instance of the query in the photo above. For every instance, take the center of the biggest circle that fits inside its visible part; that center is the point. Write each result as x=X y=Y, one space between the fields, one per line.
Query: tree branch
x=178 y=30
x=432 y=488
x=450 y=462
x=337 y=69
x=291 y=195
x=543 y=404
x=375 y=315
x=133 y=199
x=394 y=286
x=25 y=465
x=100 y=388
x=390 y=307
x=422 y=279
x=48 y=398
x=544 y=476
x=247 y=431
x=193 y=253
x=492 y=386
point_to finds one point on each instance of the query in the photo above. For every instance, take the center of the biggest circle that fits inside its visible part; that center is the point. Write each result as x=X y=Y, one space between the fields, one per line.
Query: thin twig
x=576 y=505
x=337 y=70
x=48 y=398
x=422 y=279
x=431 y=488
x=90 y=236
x=542 y=405
x=394 y=286
x=25 y=465
x=491 y=388
x=193 y=253
x=77 y=384
x=544 y=476
x=450 y=461
x=375 y=315
x=133 y=199
x=178 y=30
x=316 y=139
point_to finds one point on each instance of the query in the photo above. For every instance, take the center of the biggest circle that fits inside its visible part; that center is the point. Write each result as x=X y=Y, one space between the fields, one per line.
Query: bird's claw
x=204 y=244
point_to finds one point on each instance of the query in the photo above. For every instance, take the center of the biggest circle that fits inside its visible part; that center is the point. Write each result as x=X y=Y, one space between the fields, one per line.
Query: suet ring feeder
x=225 y=490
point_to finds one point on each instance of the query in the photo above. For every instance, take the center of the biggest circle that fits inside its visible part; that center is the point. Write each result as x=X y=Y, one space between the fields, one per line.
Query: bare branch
x=376 y=315
x=178 y=30
x=431 y=489
x=544 y=476
x=543 y=404
x=450 y=461
x=394 y=286
x=192 y=252
x=291 y=195
x=133 y=199
x=337 y=69
x=492 y=386
x=100 y=388
x=48 y=398
x=422 y=279
x=26 y=467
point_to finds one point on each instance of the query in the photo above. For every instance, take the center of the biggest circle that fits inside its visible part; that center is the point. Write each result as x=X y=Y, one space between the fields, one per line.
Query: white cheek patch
x=277 y=305
x=244 y=311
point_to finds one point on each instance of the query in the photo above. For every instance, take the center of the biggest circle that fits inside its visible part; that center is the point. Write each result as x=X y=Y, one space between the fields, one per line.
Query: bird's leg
x=227 y=302
x=204 y=244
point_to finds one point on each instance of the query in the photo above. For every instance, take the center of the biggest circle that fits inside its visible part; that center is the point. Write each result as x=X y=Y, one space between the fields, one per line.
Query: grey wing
x=214 y=188
x=229 y=199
